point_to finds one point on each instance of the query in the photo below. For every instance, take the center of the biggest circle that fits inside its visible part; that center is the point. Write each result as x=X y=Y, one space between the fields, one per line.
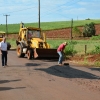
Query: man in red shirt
x=60 y=52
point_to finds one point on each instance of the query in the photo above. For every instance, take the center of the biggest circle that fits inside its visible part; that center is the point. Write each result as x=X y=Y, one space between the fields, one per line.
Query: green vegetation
x=69 y=50
x=95 y=37
x=76 y=32
x=97 y=64
x=96 y=50
x=74 y=46
x=89 y=30
x=14 y=28
x=80 y=47
x=12 y=42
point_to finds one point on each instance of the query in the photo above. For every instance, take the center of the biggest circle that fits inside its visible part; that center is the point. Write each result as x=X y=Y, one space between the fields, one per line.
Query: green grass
x=90 y=45
x=55 y=43
x=12 y=42
x=14 y=28
x=79 y=48
x=79 y=45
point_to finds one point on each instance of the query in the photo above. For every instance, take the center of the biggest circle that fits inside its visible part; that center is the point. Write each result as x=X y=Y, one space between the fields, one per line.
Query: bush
x=97 y=50
x=89 y=30
x=69 y=50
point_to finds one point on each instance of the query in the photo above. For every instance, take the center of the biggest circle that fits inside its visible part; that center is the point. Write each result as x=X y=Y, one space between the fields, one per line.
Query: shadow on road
x=9 y=88
x=47 y=59
x=6 y=81
x=97 y=69
x=25 y=65
x=32 y=64
x=68 y=72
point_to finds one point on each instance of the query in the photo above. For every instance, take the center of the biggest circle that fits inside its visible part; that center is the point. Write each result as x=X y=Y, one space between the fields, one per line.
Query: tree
x=89 y=30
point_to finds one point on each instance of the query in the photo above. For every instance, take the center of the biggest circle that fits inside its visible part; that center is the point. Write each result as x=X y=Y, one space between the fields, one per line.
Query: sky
x=27 y=11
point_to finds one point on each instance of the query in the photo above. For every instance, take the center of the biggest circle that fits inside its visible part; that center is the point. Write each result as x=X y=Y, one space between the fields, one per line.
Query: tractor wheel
x=29 y=54
x=19 y=51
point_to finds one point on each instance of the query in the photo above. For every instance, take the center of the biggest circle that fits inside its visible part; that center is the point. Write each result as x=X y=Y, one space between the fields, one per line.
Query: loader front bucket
x=45 y=53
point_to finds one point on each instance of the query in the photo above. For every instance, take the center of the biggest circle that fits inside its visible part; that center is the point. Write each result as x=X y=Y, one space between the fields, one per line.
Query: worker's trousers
x=60 y=57
x=4 y=58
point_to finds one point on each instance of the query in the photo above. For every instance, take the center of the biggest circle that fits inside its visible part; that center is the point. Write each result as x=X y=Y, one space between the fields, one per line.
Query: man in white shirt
x=3 y=52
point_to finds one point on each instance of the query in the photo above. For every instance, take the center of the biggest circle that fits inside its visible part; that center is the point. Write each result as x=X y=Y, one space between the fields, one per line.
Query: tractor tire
x=29 y=54
x=19 y=51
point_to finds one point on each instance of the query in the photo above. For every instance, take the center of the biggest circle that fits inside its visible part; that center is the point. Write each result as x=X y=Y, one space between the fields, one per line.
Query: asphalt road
x=43 y=79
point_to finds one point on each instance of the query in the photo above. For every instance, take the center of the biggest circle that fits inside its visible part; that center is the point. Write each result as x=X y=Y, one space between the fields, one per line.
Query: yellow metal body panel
x=36 y=42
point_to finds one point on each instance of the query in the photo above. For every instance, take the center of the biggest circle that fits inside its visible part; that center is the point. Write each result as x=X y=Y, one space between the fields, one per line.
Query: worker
x=60 y=51
x=3 y=52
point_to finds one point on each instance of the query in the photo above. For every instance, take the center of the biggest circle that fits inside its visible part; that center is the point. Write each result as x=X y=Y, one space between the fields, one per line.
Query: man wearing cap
x=3 y=52
x=60 y=50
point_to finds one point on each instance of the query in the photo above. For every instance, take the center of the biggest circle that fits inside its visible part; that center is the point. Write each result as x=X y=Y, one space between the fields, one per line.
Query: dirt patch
x=89 y=58
x=66 y=33
x=85 y=60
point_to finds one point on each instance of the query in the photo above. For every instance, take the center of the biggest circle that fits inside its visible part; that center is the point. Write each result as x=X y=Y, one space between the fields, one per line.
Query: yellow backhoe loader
x=33 y=43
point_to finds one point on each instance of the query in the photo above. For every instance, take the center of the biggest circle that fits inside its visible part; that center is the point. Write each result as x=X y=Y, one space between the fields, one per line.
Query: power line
x=58 y=9
x=50 y=11
x=19 y=10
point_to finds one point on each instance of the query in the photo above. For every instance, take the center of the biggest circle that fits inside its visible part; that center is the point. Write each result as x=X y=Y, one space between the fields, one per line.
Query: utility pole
x=71 y=29
x=6 y=25
x=39 y=13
